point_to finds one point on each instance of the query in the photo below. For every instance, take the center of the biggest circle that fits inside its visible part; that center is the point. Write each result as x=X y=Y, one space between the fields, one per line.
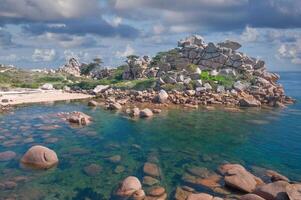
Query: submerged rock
x=151 y=169
x=92 y=169
x=40 y=157
x=7 y=156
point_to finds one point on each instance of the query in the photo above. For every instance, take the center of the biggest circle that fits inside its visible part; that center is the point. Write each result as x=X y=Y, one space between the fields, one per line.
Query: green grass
x=226 y=81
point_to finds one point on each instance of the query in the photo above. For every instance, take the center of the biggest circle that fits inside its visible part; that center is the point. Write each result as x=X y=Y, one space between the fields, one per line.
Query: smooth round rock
x=129 y=186
x=40 y=157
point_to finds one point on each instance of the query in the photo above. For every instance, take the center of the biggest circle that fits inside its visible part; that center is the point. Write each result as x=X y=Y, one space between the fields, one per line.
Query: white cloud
x=47 y=9
x=250 y=34
x=291 y=51
x=45 y=55
x=116 y=21
x=128 y=51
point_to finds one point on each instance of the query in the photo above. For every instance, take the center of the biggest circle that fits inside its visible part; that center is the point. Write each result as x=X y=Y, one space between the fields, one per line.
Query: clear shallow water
x=268 y=138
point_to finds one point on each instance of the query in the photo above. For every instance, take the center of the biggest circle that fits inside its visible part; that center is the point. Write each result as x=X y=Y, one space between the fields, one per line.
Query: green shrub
x=49 y=79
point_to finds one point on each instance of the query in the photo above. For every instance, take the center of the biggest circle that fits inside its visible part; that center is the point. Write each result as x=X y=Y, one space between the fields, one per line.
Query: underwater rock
x=119 y=169
x=9 y=185
x=28 y=140
x=149 y=181
x=273 y=191
x=237 y=177
x=51 y=140
x=7 y=156
x=151 y=169
x=181 y=194
x=156 y=191
x=92 y=169
x=114 y=159
x=40 y=157
x=129 y=186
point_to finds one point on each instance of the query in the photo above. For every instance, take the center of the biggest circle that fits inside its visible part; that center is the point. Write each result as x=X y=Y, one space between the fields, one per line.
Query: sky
x=46 y=33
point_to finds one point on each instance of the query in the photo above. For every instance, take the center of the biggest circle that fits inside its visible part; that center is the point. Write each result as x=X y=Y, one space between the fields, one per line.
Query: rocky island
x=195 y=73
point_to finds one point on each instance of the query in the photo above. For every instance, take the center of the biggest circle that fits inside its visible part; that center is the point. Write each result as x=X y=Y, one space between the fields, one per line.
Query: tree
x=95 y=65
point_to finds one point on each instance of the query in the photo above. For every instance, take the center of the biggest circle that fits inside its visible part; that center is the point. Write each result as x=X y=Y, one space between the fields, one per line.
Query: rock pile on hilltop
x=216 y=68
x=72 y=67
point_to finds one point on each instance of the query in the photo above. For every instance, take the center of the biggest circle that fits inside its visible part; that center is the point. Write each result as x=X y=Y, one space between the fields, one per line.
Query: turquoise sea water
x=179 y=138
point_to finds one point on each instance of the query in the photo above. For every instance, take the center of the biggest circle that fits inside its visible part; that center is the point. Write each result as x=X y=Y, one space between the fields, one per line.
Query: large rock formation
x=72 y=67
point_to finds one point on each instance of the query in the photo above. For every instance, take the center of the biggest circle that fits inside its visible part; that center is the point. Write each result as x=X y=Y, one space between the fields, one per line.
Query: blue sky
x=44 y=33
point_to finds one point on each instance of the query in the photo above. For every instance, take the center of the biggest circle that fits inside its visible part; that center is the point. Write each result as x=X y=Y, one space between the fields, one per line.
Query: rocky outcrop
x=136 y=68
x=40 y=157
x=72 y=67
x=237 y=177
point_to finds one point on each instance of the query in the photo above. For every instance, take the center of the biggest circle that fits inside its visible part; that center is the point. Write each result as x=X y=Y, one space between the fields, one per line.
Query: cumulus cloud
x=250 y=34
x=127 y=52
x=13 y=11
x=291 y=51
x=43 y=55
x=214 y=14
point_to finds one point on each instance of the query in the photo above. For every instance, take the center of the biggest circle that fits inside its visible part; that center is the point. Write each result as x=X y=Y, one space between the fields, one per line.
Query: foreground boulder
x=130 y=187
x=273 y=191
x=40 y=157
x=237 y=177
x=202 y=196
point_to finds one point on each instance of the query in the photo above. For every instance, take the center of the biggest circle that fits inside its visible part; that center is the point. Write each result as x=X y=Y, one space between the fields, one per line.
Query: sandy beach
x=37 y=96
